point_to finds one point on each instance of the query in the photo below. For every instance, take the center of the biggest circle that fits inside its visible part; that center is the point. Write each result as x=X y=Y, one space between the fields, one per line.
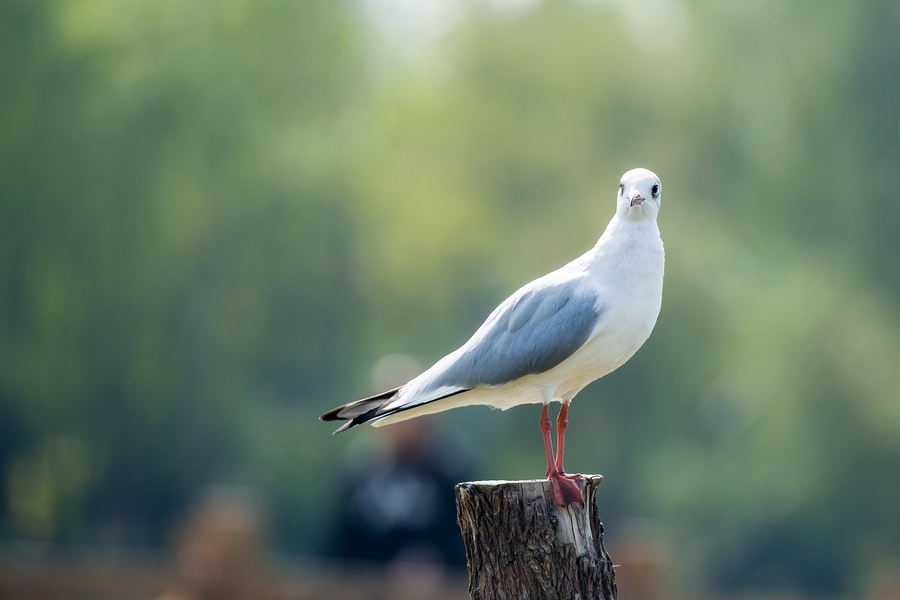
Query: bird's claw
x=567 y=489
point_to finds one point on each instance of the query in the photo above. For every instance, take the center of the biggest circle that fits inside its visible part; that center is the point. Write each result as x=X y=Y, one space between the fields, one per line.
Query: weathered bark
x=521 y=545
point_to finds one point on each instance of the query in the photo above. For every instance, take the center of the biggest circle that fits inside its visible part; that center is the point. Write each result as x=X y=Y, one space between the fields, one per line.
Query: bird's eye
x=655 y=190
x=621 y=186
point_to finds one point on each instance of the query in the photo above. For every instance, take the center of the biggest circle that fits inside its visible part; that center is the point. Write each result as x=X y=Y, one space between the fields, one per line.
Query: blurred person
x=220 y=549
x=397 y=506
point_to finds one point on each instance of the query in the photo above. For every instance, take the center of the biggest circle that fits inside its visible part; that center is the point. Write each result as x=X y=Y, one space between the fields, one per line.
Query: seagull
x=552 y=337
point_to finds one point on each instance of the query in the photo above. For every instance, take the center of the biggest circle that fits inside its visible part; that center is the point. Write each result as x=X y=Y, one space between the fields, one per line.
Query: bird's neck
x=627 y=241
x=624 y=235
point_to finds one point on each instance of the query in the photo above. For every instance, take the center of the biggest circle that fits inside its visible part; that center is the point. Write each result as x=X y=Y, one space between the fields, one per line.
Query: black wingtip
x=344 y=427
x=335 y=413
x=331 y=415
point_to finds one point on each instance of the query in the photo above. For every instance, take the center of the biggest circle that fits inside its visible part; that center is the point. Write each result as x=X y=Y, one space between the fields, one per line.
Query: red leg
x=562 y=421
x=548 y=444
x=566 y=490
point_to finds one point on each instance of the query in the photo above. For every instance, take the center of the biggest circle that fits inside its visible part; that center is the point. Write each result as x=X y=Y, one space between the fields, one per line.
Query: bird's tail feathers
x=437 y=405
x=367 y=409
x=359 y=411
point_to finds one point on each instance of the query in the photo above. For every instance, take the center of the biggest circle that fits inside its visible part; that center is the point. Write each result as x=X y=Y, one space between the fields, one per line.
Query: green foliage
x=215 y=217
x=174 y=212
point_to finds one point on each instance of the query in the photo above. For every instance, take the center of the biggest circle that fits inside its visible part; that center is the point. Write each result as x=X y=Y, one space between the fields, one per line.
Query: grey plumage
x=530 y=334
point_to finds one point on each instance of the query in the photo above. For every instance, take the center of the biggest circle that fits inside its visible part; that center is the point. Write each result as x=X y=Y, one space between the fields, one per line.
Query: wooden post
x=521 y=545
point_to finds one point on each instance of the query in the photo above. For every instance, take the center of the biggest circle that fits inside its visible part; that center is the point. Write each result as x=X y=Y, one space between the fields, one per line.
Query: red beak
x=636 y=201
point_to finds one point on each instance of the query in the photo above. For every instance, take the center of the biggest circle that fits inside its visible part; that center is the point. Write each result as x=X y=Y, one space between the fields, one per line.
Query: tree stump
x=521 y=545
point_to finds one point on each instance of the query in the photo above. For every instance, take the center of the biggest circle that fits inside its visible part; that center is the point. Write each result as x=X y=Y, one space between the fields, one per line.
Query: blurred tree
x=174 y=211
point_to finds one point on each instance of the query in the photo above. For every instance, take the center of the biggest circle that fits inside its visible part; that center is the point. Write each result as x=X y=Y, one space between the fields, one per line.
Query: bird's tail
x=373 y=408
x=360 y=411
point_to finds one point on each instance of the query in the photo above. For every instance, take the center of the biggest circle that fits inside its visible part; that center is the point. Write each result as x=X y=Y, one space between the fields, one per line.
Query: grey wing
x=534 y=333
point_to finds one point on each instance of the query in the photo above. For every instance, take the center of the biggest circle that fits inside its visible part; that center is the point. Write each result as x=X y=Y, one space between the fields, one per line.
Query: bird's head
x=639 y=195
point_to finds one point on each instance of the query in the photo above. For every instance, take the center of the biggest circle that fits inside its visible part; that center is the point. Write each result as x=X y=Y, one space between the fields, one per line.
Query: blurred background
x=220 y=219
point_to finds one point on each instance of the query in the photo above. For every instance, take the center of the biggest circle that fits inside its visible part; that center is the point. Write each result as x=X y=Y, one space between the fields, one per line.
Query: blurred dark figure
x=398 y=506
x=220 y=550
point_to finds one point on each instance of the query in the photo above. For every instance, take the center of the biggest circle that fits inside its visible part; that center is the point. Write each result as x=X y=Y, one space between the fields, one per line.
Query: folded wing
x=533 y=331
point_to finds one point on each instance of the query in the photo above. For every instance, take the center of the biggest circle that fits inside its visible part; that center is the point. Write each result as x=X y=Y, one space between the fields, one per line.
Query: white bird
x=552 y=337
